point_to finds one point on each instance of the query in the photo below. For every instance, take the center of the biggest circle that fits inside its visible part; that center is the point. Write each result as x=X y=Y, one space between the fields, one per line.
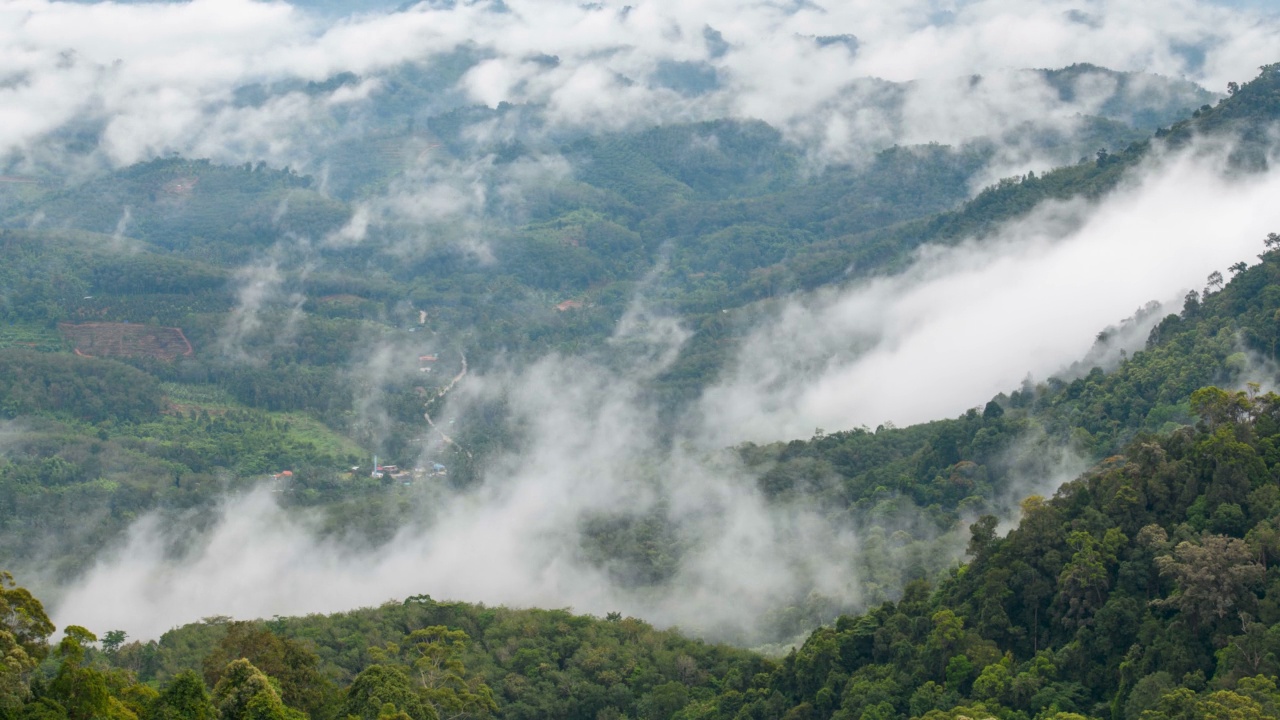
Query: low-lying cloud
x=965 y=323
x=261 y=288
x=458 y=204
x=148 y=79
x=961 y=325
x=589 y=449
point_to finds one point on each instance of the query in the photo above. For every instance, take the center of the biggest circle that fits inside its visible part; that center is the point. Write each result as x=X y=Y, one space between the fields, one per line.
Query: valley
x=587 y=380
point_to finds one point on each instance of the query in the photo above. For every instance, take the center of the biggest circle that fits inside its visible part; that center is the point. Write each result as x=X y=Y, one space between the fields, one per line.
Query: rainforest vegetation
x=1147 y=589
x=154 y=360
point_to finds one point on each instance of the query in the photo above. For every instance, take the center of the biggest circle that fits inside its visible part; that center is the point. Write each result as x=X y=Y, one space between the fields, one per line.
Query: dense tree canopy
x=1146 y=589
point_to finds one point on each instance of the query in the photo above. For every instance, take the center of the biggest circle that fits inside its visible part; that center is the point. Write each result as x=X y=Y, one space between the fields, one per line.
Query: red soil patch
x=126 y=340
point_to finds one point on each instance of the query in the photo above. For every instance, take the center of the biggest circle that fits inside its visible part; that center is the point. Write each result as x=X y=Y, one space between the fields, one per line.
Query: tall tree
x=185 y=697
x=80 y=689
x=246 y=693
x=293 y=665
x=1215 y=577
x=24 y=632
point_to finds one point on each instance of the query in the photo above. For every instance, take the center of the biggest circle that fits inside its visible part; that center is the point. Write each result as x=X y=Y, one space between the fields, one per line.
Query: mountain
x=196 y=247
x=180 y=329
x=1146 y=589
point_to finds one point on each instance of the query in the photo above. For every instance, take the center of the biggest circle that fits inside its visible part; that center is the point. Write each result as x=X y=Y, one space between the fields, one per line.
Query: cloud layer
x=590 y=450
x=236 y=80
x=962 y=324
x=968 y=322
x=148 y=79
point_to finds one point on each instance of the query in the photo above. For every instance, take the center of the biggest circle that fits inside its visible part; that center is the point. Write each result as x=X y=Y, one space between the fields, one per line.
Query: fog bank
x=965 y=323
x=962 y=324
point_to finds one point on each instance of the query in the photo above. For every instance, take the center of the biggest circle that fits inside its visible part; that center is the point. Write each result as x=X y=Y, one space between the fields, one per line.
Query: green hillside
x=1145 y=589
x=207 y=250
x=177 y=329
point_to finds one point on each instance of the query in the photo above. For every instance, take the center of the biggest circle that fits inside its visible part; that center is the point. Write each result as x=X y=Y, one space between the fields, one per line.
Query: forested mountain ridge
x=1222 y=336
x=1247 y=114
x=617 y=360
x=234 y=412
x=1142 y=590
x=419 y=659
x=1033 y=436
x=121 y=436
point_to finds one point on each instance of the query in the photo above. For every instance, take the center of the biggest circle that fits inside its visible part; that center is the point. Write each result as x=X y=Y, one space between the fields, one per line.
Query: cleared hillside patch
x=126 y=340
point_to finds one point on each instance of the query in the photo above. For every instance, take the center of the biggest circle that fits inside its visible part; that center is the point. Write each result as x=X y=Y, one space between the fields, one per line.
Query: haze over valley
x=748 y=349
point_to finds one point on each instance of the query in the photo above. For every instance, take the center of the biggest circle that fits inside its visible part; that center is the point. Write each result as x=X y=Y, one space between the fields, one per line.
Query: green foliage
x=81 y=691
x=378 y=686
x=184 y=696
x=1146 y=588
x=469 y=660
x=73 y=387
x=293 y=665
x=197 y=207
x=245 y=693
x=1118 y=596
x=24 y=628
